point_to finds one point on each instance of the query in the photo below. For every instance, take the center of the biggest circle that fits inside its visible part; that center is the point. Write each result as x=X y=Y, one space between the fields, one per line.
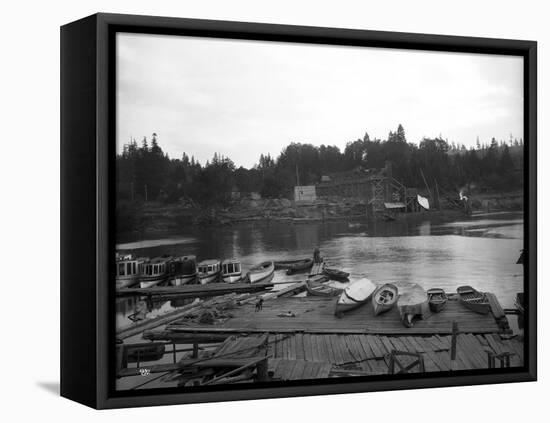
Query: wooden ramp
x=316 y=315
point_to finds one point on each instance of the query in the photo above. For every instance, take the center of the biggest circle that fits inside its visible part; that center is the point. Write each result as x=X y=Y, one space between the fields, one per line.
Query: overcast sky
x=244 y=98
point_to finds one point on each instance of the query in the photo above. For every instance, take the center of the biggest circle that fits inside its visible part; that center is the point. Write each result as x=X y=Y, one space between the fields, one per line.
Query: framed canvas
x=259 y=211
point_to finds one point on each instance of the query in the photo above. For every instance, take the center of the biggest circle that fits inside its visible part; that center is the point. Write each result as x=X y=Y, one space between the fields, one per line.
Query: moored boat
x=412 y=303
x=384 y=298
x=299 y=266
x=128 y=270
x=231 y=270
x=473 y=299
x=355 y=295
x=154 y=271
x=209 y=271
x=183 y=270
x=263 y=272
x=437 y=299
x=287 y=264
x=336 y=274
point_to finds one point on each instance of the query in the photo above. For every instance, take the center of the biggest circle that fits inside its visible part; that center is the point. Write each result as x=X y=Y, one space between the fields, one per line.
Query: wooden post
x=453 y=345
x=174 y=351
x=261 y=371
x=195 y=349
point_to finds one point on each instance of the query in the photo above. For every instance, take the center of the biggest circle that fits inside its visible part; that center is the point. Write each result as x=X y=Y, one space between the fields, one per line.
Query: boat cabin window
x=209 y=268
x=121 y=269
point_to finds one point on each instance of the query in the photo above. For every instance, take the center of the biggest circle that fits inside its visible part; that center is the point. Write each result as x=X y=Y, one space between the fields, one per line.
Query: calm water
x=480 y=251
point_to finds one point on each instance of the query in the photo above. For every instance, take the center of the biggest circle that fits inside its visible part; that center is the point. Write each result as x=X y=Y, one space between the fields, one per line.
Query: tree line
x=145 y=173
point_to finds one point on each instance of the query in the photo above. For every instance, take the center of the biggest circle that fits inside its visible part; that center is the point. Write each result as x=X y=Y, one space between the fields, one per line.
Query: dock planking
x=316 y=315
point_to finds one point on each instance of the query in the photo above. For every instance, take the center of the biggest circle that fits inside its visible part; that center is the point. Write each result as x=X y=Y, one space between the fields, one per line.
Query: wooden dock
x=300 y=338
x=316 y=315
x=195 y=291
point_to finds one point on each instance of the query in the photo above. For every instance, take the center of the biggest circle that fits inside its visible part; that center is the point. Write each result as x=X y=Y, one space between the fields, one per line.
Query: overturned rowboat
x=412 y=303
x=473 y=299
x=355 y=295
x=384 y=298
x=437 y=299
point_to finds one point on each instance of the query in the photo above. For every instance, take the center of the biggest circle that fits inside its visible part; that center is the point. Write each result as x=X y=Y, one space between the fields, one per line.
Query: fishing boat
x=412 y=303
x=355 y=295
x=263 y=272
x=299 y=266
x=287 y=264
x=384 y=298
x=437 y=299
x=335 y=274
x=209 y=271
x=231 y=271
x=182 y=270
x=474 y=300
x=316 y=287
x=154 y=271
x=128 y=270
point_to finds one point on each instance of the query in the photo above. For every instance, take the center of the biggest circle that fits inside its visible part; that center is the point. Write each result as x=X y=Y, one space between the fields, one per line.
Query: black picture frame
x=87 y=198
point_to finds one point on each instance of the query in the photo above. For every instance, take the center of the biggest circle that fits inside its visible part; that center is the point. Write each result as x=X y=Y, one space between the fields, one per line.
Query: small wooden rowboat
x=384 y=298
x=287 y=264
x=474 y=300
x=335 y=274
x=316 y=287
x=437 y=299
x=355 y=295
x=299 y=266
x=261 y=273
x=412 y=303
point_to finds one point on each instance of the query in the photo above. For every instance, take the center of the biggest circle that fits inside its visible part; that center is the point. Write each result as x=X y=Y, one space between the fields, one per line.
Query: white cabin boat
x=183 y=270
x=209 y=271
x=154 y=272
x=128 y=270
x=231 y=270
x=261 y=273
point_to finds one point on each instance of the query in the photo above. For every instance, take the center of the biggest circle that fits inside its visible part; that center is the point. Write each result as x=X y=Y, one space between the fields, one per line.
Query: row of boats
x=176 y=271
x=411 y=300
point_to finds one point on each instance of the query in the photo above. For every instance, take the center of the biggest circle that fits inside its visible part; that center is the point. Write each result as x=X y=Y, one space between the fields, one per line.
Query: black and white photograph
x=304 y=212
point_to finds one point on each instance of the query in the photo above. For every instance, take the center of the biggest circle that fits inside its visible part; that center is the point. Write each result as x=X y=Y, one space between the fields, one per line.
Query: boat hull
x=183 y=279
x=336 y=275
x=289 y=263
x=354 y=296
x=205 y=279
x=299 y=266
x=412 y=304
x=437 y=299
x=232 y=278
x=384 y=298
x=473 y=300
x=262 y=273
x=148 y=283
x=125 y=282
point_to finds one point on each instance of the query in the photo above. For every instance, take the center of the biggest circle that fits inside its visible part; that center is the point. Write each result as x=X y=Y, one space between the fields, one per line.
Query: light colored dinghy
x=384 y=298
x=412 y=303
x=355 y=295
x=261 y=273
